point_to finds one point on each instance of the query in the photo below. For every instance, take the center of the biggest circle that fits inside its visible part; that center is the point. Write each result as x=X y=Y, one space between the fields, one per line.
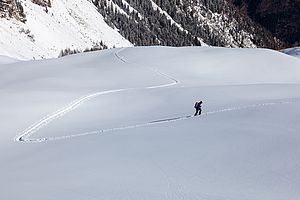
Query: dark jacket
x=198 y=105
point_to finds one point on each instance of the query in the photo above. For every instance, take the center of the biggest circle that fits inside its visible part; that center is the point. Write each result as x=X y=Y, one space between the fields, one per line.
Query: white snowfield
x=119 y=124
x=74 y=24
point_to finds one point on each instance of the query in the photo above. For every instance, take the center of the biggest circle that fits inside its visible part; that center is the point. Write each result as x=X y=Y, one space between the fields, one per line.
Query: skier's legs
x=200 y=111
x=196 y=112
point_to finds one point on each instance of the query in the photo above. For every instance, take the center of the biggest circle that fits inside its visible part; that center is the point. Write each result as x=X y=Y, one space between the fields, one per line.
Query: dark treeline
x=154 y=29
x=68 y=51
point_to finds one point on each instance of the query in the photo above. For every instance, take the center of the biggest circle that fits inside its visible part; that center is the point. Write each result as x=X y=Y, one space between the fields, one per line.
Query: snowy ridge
x=117 y=8
x=131 y=9
x=156 y=7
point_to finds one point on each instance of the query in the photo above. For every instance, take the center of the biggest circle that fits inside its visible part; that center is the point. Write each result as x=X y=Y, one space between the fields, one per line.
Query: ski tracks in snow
x=151 y=123
x=23 y=137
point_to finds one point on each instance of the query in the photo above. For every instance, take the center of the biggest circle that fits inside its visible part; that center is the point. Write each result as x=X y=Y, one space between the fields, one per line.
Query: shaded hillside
x=281 y=17
x=182 y=23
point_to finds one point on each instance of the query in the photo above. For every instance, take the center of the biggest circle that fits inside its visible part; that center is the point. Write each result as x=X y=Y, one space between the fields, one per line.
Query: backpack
x=196 y=105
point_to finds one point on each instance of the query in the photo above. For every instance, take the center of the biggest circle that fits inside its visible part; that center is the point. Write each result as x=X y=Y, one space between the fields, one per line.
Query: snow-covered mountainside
x=184 y=23
x=33 y=29
x=47 y=30
x=119 y=124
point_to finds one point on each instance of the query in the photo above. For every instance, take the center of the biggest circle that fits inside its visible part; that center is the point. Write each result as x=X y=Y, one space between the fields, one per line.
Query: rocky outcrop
x=12 y=9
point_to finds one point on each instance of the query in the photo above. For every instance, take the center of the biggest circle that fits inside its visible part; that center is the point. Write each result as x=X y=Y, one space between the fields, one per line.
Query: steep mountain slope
x=72 y=24
x=116 y=125
x=32 y=29
x=180 y=23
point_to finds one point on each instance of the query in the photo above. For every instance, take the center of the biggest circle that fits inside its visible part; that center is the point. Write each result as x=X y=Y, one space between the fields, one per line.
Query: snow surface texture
x=6 y=60
x=128 y=134
x=72 y=24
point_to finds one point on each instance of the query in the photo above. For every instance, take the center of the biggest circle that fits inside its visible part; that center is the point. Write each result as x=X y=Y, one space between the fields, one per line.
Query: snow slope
x=72 y=24
x=115 y=124
x=6 y=60
x=292 y=52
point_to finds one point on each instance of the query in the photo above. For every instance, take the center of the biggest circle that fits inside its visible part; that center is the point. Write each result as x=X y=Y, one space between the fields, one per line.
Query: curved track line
x=76 y=103
x=151 y=123
x=23 y=137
